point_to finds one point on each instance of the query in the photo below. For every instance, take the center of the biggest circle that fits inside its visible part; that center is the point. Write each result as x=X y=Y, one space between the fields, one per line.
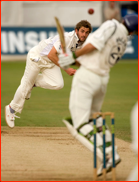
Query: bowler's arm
x=53 y=56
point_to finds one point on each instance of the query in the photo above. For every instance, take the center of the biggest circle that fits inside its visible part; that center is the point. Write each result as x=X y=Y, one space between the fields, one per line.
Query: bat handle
x=62 y=49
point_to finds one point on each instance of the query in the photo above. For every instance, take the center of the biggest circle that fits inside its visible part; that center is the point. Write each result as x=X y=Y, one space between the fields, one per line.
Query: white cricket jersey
x=44 y=47
x=110 y=41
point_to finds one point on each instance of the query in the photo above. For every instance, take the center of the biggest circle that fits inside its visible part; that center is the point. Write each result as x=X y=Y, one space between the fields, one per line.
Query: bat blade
x=61 y=34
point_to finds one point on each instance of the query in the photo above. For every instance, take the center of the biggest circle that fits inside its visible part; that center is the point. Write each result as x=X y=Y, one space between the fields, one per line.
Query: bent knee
x=59 y=86
x=52 y=85
x=55 y=86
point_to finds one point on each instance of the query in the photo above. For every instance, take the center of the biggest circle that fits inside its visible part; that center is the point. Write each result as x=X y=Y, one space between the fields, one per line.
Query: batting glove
x=66 y=59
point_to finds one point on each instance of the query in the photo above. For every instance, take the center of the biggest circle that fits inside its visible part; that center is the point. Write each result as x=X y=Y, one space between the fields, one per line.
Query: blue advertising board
x=19 y=40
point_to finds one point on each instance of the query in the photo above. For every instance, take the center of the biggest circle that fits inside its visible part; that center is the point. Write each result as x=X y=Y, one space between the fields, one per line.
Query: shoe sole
x=6 y=120
x=110 y=168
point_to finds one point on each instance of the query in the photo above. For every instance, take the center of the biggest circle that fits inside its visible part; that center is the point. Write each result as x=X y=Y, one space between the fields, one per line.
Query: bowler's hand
x=66 y=59
x=70 y=71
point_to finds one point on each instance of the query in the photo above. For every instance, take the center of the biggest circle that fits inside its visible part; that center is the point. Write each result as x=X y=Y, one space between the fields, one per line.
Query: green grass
x=122 y=93
x=48 y=107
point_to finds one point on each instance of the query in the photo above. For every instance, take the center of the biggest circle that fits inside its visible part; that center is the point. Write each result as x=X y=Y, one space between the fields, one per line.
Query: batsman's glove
x=66 y=59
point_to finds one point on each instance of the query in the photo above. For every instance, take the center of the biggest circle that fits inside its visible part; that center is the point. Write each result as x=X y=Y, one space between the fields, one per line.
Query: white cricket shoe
x=10 y=117
x=109 y=166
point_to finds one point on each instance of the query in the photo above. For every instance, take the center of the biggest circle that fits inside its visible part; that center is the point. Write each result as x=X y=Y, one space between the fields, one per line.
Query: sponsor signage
x=19 y=40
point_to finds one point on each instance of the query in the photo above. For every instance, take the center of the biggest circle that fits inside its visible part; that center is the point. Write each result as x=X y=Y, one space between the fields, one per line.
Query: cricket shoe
x=109 y=165
x=10 y=117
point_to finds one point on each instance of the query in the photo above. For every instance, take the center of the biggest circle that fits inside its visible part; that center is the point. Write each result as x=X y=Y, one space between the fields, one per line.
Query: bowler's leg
x=50 y=78
x=28 y=80
x=31 y=72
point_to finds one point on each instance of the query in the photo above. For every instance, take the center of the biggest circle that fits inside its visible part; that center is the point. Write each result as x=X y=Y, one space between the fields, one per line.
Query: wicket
x=95 y=115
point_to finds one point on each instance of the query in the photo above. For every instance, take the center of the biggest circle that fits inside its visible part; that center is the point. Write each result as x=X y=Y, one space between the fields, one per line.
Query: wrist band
x=74 y=55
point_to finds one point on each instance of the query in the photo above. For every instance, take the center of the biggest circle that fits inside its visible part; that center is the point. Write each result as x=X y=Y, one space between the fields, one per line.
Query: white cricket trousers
x=87 y=95
x=134 y=131
x=49 y=78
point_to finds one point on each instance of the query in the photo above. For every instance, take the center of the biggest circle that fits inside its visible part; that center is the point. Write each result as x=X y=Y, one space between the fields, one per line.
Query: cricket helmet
x=131 y=22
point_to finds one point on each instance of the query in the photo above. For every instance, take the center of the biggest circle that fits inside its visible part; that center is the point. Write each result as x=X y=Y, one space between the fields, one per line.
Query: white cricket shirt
x=44 y=47
x=110 y=41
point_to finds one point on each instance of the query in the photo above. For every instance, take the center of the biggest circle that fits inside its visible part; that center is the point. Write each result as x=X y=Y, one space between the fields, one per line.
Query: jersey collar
x=123 y=27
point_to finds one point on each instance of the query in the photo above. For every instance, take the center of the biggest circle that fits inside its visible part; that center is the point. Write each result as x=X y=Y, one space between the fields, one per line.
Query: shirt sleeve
x=57 y=43
x=99 y=38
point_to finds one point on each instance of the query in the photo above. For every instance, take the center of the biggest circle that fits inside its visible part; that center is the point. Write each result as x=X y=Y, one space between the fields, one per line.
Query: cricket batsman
x=100 y=52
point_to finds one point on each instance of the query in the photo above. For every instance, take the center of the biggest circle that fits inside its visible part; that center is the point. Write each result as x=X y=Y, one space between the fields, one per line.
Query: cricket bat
x=61 y=35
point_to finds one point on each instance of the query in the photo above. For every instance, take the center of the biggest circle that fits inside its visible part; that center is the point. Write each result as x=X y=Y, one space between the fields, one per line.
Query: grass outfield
x=47 y=107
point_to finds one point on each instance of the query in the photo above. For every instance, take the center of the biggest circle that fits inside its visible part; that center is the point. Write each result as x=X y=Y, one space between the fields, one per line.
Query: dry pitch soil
x=52 y=154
